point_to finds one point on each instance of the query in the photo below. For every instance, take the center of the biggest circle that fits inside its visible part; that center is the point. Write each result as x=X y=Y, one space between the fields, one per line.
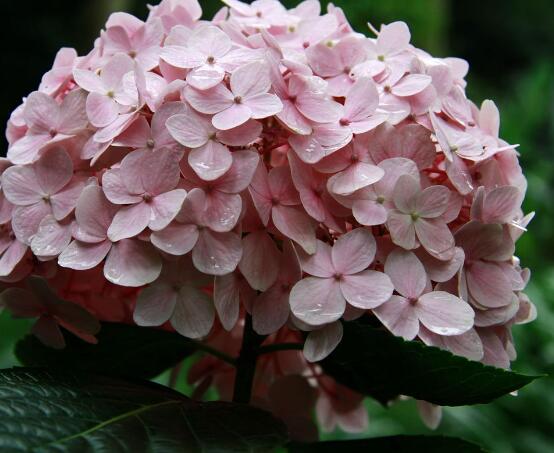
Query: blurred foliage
x=510 y=48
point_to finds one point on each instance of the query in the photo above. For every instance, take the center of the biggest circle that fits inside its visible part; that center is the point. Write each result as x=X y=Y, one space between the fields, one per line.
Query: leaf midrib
x=112 y=420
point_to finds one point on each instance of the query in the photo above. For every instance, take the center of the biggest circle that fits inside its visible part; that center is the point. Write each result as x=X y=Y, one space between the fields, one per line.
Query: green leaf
x=376 y=363
x=397 y=444
x=49 y=411
x=122 y=350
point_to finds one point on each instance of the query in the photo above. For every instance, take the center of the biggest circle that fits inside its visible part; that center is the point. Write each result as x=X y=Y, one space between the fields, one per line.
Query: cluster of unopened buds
x=267 y=163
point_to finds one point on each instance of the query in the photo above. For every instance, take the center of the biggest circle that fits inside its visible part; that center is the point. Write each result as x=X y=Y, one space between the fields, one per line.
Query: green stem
x=280 y=347
x=246 y=363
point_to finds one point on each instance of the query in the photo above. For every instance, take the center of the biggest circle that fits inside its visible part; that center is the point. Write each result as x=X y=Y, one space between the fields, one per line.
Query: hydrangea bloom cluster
x=273 y=162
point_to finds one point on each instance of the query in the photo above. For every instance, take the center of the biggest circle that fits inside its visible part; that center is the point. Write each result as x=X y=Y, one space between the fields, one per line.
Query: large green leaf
x=122 y=350
x=49 y=411
x=376 y=363
x=396 y=444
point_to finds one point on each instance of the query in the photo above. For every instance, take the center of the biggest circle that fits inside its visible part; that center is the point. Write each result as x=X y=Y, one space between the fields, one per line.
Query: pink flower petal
x=26 y=220
x=406 y=273
x=368 y=212
x=295 y=224
x=435 y=237
x=65 y=200
x=270 y=310
x=399 y=316
x=231 y=117
x=155 y=304
x=81 y=255
x=317 y=301
x=402 y=230
x=129 y=221
x=432 y=201
x=320 y=343
x=217 y=253
x=102 y=110
x=190 y=129
x=367 y=289
x=94 y=214
x=227 y=300
x=263 y=105
x=444 y=313
x=222 y=211
x=51 y=238
x=20 y=186
x=194 y=313
x=411 y=84
x=250 y=79
x=319 y=264
x=259 y=262
x=355 y=177
x=209 y=101
x=176 y=239
x=354 y=251
x=132 y=263
x=12 y=257
x=489 y=285
x=211 y=160
x=165 y=207
x=115 y=189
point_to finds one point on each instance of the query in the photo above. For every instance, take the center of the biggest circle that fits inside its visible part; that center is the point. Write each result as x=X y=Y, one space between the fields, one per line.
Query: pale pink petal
x=94 y=214
x=20 y=186
x=194 y=313
x=260 y=260
x=136 y=135
x=432 y=202
x=319 y=264
x=222 y=211
x=353 y=251
x=165 y=207
x=502 y=204
x=211 y=160
x=11 y=257
x=73 y=117
x=182 y=57
x=399 y=316
x=129 y=221
x=217 y=253
x=81 y=256
x=53 y=170
x=231 y=117
x=435 y=237
x=102 y=110
x=159 y=172
x=431 y=414
x=282 y=187
x=263 y=105
x=250 y=79
x=405 y=194
x=270 y=310
x=361 y=100
x=320 y=343
x=88 y=80
x=355 y=177
x=41 y=111
x=26 y=149
x=132 y=263
x=442 y=271
x=295 y=224
x=411 y=84
x=393 y=38
x=406 y=273
x=293 y=119
x=241 y=172
x=402 y=230
x=206 y=76
x=489 y=285
x=242 y=135
x=176 y=239
x=369 y=212
x=317 y=301
x=25 y=220
x=155 y=305
x=51 y=237
x=115 y=189
x=227 y=300
x=65 y=200
x=210 y=101
x=444 y=313
x=190 y=129
x=367 y=289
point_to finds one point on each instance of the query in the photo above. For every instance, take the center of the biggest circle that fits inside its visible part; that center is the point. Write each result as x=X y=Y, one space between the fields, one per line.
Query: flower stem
x=215 y=352
x=246 y=363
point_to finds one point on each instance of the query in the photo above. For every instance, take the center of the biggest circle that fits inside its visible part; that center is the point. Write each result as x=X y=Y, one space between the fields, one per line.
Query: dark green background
x=510 y=47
